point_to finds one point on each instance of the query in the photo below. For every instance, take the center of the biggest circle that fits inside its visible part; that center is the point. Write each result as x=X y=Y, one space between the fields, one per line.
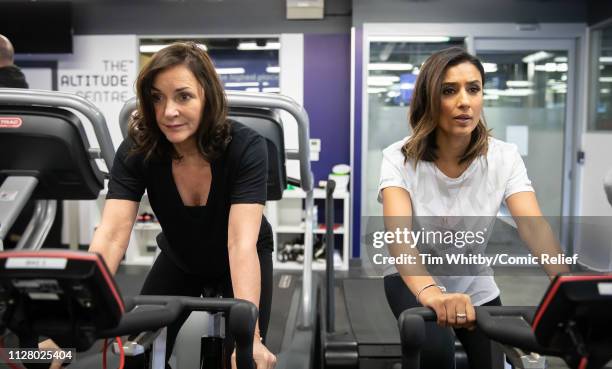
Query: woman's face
x=461 y=100
x=178 y=99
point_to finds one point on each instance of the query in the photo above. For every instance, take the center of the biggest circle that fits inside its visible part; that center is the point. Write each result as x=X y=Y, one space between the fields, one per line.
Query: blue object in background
x=407 y=81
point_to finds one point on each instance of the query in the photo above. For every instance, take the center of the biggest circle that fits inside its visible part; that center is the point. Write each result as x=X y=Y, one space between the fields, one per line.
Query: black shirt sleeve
x=127 y=180
x=250 y=182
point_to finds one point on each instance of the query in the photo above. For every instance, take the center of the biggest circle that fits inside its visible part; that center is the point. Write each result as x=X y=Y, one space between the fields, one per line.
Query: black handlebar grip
x=412 y=337
x=330 y=187
x=429 y=315
x=501 y=323
x=294 y=182
x=242 y=318
x=147 y=320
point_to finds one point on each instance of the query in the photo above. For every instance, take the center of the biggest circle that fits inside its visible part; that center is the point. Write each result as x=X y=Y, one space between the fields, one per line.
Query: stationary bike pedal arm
x=137 y=345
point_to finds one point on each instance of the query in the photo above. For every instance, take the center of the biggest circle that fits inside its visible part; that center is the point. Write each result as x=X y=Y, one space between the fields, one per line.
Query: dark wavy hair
x=425 y=108
x=212 y=135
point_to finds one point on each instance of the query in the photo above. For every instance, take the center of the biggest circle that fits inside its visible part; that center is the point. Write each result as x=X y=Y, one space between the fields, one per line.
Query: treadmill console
x=67 y=296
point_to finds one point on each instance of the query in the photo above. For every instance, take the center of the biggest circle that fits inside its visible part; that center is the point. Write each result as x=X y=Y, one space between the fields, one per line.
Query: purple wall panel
x=327 y=74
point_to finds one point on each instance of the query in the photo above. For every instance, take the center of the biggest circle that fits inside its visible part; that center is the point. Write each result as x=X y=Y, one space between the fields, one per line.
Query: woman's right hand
x=452 y=309
x=48 y=344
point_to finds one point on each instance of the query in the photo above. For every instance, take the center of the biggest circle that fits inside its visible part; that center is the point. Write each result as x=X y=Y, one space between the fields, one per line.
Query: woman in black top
x=205 y=177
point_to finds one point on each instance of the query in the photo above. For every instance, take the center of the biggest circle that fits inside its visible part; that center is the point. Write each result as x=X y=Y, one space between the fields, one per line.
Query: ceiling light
x=415 y=39
x=510 y=92
x=230 y=70
x=273 y=70
x=519 y=83
x=376 y=90
x=390 y=66
x=536 y=57
x=551 y=67
x=241 y=84
x=153 y=48
x=254 y=46
x=489 y=67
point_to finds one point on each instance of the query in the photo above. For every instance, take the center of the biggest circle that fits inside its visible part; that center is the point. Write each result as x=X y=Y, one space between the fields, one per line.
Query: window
x=245 y=64
x=601 y=80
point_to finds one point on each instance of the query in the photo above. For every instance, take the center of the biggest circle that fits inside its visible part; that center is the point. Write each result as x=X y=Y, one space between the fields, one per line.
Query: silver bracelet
x=441 y=288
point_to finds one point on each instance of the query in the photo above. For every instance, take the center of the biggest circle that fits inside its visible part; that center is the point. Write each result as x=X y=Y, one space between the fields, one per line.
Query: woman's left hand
x=263 y=358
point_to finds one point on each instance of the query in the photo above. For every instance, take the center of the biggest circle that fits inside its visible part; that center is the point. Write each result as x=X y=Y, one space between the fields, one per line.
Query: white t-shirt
x=479 y=191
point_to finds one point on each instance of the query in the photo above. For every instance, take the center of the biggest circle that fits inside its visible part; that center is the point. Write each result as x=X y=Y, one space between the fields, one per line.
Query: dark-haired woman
x=451 y=167
x=205 y=178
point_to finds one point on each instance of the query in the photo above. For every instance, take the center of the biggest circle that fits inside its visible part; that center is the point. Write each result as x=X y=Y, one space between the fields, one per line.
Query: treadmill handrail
x=16 y=96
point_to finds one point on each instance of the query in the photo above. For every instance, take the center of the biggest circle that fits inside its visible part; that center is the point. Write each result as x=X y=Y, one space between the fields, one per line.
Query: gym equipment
x=358 y=329
x=572 y=322
x=45 y=154
x=70 y=297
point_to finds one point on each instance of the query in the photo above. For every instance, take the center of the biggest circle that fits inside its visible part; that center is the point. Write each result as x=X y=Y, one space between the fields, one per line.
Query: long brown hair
x=425 y=109
x=212 y=135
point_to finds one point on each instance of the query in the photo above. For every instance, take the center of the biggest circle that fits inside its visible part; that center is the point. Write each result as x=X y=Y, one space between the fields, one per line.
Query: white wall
x=291 y=83
x=102 y=69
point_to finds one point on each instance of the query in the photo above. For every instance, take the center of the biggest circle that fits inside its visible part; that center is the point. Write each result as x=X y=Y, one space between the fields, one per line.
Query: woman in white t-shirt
x=451 y=167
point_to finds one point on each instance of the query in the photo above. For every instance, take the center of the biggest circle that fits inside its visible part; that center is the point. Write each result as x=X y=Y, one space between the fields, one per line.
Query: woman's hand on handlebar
x=48 y=344
x=452 y=309
x=263 y=358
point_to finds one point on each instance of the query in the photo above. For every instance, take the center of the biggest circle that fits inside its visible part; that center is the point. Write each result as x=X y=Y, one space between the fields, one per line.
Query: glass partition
x=601 y=77
x=525 y=96
x=393 y=65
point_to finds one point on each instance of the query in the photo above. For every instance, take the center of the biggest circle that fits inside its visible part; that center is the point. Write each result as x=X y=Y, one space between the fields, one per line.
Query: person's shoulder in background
x=12 y=77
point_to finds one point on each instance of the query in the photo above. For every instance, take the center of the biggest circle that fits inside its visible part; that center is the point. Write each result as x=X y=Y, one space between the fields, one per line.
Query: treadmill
x=45 y=155
x=358 y=329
